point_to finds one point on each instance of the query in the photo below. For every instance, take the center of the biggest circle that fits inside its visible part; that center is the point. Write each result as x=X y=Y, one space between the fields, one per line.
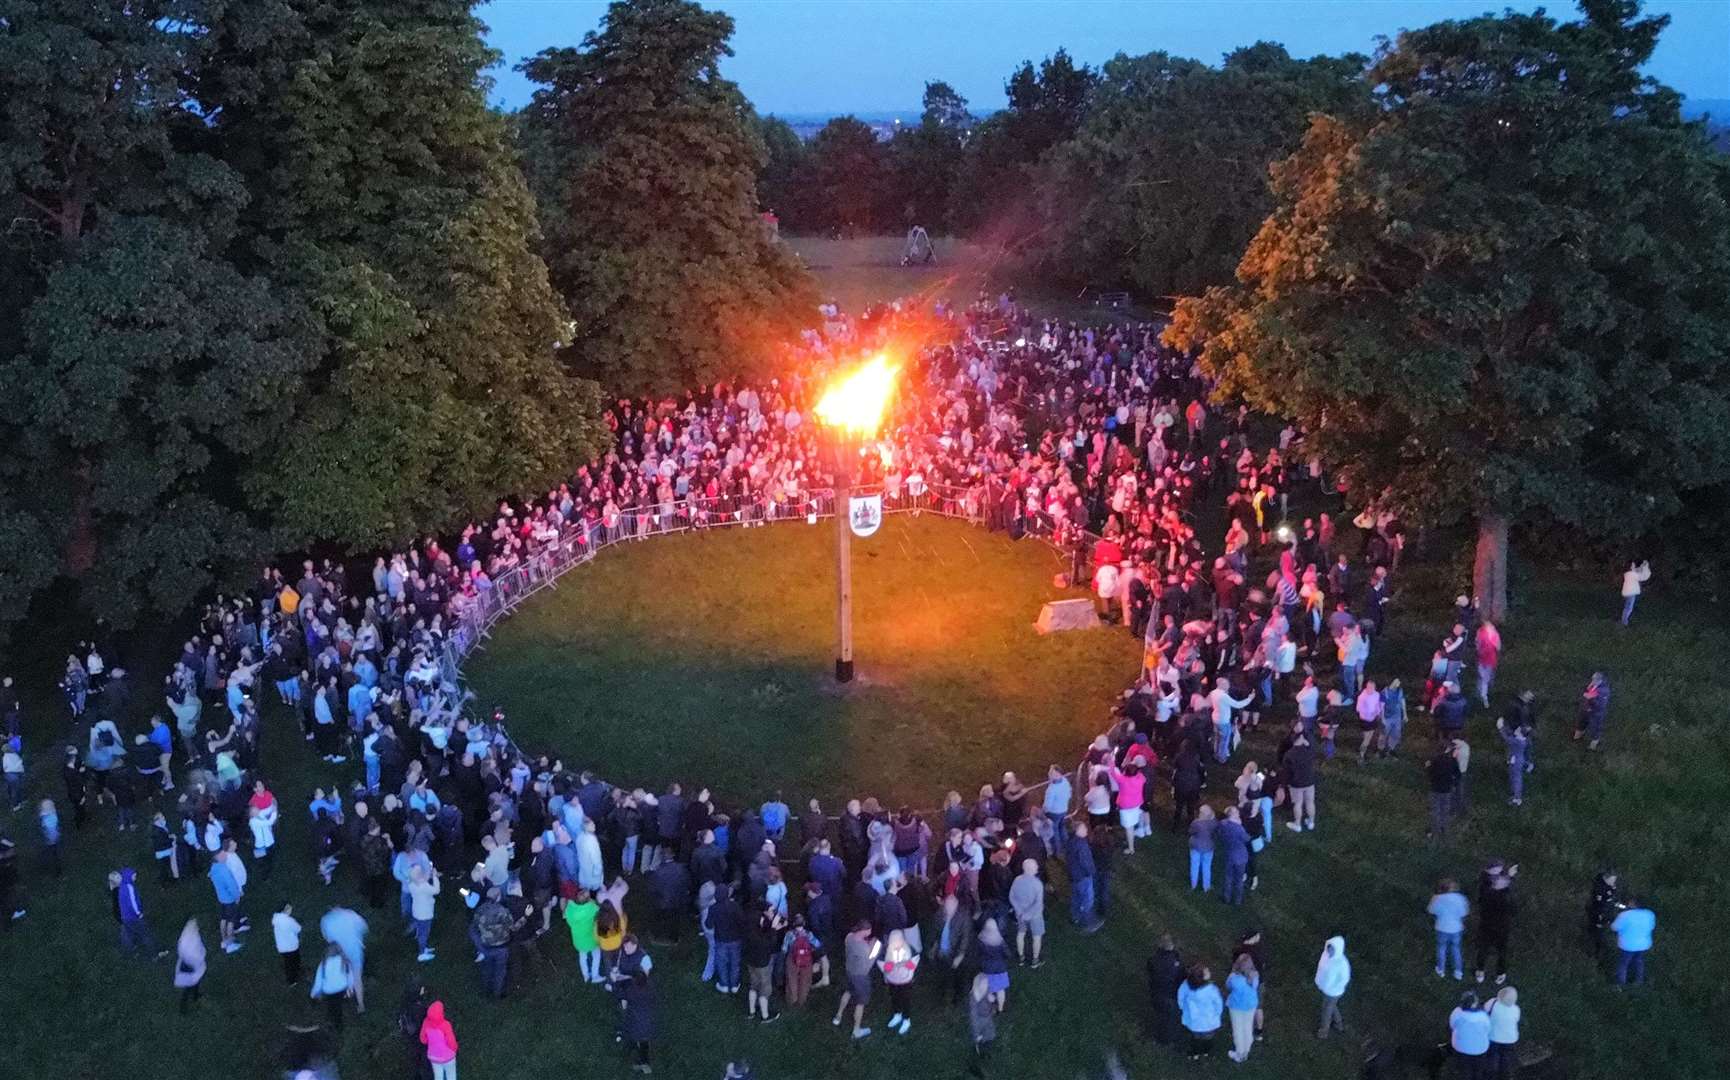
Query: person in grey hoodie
x=1333 y=975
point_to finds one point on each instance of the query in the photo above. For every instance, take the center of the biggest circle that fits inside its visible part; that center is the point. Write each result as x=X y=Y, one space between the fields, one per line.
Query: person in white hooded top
x=1333 y=975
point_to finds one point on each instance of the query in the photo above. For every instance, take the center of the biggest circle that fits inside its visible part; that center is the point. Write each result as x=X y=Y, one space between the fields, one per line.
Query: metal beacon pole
x=852 y=411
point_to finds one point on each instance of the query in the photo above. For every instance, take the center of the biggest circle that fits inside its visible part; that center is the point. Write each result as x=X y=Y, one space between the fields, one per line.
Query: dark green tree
x=993 y=191
x=659 y=253
x=1166 y=181
x=845 y=181
x=388 y=194
x=142 y=370
x=1506 y=295
x=784 y=156
x=923 y=161
x=943 y=108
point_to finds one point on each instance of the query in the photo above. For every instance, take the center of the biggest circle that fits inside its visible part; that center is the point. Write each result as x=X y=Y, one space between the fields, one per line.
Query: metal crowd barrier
x=579 y=543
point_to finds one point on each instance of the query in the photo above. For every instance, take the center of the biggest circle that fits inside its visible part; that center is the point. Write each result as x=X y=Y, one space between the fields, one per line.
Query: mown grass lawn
x=705 y=658
x=859 y=271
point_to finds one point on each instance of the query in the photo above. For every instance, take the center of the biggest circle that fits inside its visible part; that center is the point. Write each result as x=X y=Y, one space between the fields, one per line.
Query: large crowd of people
x=1101 y=439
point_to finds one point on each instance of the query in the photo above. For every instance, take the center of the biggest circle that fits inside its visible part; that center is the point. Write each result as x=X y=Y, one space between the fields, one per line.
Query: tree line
x=271 y=277
x=274 y=275
x=1488 y=268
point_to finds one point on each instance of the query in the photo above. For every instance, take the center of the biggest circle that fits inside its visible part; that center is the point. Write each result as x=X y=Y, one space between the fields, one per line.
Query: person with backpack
x=802 y=949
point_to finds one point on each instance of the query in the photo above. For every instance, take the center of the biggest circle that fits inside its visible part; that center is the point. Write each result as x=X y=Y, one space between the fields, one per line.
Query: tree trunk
x=1490 y=567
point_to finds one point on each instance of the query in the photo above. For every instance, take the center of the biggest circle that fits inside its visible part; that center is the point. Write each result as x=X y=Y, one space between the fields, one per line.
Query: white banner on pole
x=865 y=514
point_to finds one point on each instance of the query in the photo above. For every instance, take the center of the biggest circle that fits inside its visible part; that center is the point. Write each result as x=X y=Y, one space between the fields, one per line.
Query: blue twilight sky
x=836 y=56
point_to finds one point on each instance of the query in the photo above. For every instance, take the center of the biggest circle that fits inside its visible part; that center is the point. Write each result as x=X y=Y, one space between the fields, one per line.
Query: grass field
x=860 y=271
x=657 y=662
x=735 y=630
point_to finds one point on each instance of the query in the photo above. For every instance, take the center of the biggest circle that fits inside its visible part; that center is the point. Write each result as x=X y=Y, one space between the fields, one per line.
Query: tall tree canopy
x=141 y=369
x=784 y=156
x=1046 y=106
x=268 y=279
x=924 y=159
x=388 y=193
x=657 y=248
x=1166 y=180
x=1506 y=294
x=844 y=187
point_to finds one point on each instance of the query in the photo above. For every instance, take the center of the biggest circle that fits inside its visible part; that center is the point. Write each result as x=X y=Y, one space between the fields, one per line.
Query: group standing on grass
x=442 y=805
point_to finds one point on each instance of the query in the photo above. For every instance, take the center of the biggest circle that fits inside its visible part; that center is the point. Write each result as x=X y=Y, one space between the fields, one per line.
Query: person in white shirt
x=1632 y=578
x=1105 y=581
x=1505 y=1032
x=262 y=822
x=287 y=930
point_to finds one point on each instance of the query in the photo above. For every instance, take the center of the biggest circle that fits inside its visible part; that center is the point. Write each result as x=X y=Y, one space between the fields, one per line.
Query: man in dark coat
x=670 y=894
x=1164 y=974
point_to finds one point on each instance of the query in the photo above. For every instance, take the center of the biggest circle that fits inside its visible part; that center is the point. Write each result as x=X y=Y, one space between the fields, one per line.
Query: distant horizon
x=1691 y=107
x=801 y=58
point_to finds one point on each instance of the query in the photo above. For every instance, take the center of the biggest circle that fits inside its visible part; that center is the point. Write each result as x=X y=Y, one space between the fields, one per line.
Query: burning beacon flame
x=856 y=403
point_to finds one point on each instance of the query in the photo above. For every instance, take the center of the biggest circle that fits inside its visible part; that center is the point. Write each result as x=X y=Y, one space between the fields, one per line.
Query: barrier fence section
x=579 y=543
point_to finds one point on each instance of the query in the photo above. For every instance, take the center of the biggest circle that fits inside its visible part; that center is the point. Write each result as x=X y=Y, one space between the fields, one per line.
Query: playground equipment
x=918 y=248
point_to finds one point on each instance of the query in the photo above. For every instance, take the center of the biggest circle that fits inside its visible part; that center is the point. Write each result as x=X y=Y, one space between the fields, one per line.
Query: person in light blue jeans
x=1449 y=908
x=1201 y=849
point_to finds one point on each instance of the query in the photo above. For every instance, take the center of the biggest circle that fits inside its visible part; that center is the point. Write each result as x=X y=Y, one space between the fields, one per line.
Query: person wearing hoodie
x=135 y=935
x=440 y=1040
x=1333 y=975
x=1201 y=1006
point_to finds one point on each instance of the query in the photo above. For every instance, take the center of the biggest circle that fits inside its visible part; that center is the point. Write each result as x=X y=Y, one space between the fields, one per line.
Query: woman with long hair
x=1200 y=1005
x=1243 y=998
x=333 y=981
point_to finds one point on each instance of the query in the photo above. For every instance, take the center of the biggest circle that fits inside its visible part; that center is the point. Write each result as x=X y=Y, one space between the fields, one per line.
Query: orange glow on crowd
x=856 y=402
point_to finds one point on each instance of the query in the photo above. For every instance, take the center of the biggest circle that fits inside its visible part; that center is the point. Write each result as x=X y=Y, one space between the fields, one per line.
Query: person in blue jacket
x=135 y=935
x=1200 y=1005
x=1231 y=839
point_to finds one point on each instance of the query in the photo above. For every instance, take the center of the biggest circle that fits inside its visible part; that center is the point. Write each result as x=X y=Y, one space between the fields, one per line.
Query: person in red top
x=440 y=1041
x=1489 y=650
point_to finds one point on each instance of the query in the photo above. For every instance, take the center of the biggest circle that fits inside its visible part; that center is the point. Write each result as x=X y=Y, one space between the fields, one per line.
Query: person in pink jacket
x=1131 y=785
x=440 y=1040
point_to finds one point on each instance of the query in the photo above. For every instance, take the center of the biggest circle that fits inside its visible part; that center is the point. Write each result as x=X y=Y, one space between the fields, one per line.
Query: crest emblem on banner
x=865 y=513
